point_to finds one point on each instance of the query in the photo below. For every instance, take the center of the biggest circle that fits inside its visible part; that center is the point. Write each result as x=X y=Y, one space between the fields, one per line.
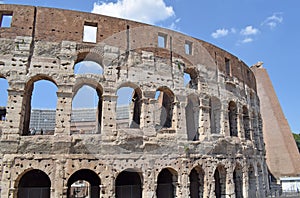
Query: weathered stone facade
x=204 y=139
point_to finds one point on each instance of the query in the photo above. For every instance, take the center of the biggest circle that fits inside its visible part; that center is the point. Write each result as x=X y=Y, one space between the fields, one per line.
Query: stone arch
x=215 y=115
x=232 y=118
x=166 y=183
x=33 y=183
x=246 y=123
x=238 y=180
x=165 y=101
x=27 y=100
x=90 y=54
x=192 y=117
x=129 y=184
x=87 y=119
x=134 y=107
x=196 y=178
x=251 y=181
x=85 y=182
x=220 y=181
x=193 y=74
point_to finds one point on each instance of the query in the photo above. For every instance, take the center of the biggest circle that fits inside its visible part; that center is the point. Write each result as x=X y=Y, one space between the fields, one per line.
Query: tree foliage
x=297 y=139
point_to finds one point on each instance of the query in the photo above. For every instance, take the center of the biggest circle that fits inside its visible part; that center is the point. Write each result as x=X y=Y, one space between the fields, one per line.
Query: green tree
x=297 y=139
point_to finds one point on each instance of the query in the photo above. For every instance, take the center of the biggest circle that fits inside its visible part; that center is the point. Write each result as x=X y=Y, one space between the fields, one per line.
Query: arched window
x=3 y=98
x=232 y=119
x=192 y=118
x=84 y=183
x=129 y=106
x=165 y=105
x=166 y=183
x=128 y=184
x=215 y=115
x=246 y=122
x=40 y=105
x=34 y=183
x=220 y=181
x=86 y=109
x=88 y=67
x=238 y=180
x=190 y=78
x=196 y=183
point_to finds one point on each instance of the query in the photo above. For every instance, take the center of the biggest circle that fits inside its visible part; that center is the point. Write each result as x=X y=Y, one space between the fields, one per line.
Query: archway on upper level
x=246 y=123
x=215 y=115
x=238 y=181
x=3 y=99
x=196 y=182
x=40 y=106
x=192 y=117
x=232 y=118
x=190 y=78
x=220 y=181
x=34 y=183
x=128 y=184
x=166 y=183
x=84 y=183
x=87 y=103
x=129 y=106
x=164 y=109
x=88 y=67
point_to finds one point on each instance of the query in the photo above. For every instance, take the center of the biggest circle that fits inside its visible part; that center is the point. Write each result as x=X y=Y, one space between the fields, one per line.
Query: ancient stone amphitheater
x=197 y=139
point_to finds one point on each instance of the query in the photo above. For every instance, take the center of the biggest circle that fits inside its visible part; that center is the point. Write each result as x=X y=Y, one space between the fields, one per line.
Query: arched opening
x=128 y=185
x=83 y=183
x=40 y=107
x=166 y=184
x=220 y=181
x=232 y=119
x=34 y=183
x=252 y=182
x=87 y=109
x=215 y=115
x=238 y=181
x=255 y=134
x=192 y=118
x=190 y=78
x=129 y=107
x=88 y=67
x=196 y=183
x=246 y=123
x=3 y=99
x=165 y=106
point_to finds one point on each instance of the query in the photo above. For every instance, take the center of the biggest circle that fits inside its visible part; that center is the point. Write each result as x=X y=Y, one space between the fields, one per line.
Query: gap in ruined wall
x=90 y=32
x=164 y=108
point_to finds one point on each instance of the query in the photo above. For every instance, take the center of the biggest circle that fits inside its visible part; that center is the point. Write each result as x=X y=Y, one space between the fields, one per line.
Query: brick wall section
x=283 y=157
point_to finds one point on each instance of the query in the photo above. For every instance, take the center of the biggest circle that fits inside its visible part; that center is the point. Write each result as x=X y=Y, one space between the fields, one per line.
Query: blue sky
x=253 y=30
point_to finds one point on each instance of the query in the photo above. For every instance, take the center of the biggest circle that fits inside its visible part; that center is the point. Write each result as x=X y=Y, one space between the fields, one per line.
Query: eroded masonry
x=201 y=138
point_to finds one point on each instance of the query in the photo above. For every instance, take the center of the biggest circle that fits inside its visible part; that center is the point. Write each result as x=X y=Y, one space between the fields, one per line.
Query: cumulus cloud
x=220 y=33
x=249 y=30
x=247 y=40
x=147 y=11
x=274 y=20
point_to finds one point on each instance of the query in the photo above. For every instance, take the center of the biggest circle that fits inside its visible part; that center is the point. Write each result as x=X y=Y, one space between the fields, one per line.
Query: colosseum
x=201 y=138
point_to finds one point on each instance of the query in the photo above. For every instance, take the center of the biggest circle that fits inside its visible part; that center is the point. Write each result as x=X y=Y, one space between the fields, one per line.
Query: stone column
x=58 y=182
x=149 y=184
x=109 y=115
x=230 y=187
x=209 y=181
x=63 y=112
x=6 y=189
x=148 y=109
x=246 y=181
x=183 y=180
x=204 y=119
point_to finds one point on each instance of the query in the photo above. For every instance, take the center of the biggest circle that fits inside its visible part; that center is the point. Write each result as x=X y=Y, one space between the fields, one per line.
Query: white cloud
x=274 y=20
x=247 y=40
x=147 y=11
x=249 y=30
x=220 y=33
x=173 y=25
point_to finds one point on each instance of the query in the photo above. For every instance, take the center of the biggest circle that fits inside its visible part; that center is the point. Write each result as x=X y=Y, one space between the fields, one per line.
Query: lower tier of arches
x=132 y=177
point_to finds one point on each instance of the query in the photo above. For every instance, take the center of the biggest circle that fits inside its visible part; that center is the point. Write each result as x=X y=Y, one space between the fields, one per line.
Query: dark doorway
x=128 y=185
x=166 y=184
x=34 y=183
x=196 y=183
x=84 y=183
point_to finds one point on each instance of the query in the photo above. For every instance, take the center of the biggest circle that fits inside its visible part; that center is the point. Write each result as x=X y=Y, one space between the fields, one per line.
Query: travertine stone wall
x=46 y=43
